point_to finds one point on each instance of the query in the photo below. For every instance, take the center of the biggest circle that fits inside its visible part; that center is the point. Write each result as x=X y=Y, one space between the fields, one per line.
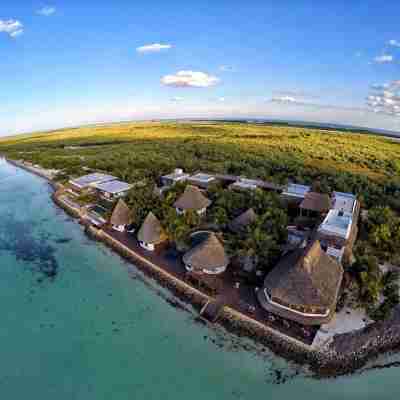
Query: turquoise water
x=79 y=323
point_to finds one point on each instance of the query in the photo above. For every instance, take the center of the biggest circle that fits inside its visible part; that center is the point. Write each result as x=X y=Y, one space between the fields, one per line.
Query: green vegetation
x=366 y=165
x=378 y=292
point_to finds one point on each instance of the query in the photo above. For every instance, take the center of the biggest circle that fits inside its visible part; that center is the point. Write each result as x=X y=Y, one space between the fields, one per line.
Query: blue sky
x=71 y=62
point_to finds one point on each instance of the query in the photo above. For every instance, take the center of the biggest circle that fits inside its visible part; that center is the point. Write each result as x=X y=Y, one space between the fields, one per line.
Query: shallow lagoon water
x=78 y=322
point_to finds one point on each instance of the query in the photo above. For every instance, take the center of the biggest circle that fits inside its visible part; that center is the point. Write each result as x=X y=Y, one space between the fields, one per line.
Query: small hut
x=151 y=235
x=315 y=204
x=240 y=223
x=208 y=257
x=192 y=199
x=121 y=217
x=304 y=286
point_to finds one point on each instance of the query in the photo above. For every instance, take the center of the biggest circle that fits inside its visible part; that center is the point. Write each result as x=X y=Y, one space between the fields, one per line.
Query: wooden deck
x=240 y=297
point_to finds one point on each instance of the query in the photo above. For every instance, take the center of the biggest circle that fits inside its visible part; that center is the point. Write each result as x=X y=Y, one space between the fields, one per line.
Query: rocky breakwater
x=351 y=351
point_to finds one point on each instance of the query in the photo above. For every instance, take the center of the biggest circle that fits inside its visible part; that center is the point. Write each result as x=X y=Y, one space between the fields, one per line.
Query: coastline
x=347 y=353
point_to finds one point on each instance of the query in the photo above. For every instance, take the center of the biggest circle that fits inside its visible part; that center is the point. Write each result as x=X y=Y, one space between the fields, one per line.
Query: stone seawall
x=232 y=320
x=73 y=212
x=347 y=353
x=352 y=350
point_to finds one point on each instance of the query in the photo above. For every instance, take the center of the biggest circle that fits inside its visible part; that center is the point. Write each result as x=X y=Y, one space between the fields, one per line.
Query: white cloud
x=284 y=99
x=380 y=86
x=222 y=99
x=394 y=43
x=190 y=79
x=47 y=11
x=153 y=48
x=11 y=27
x=384 y=59
x=385 y=98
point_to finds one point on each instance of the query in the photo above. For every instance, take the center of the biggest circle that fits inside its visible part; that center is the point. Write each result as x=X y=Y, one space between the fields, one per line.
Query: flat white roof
x=246 y=183
x=202 y=177
x=337 y=223
x=90 y=179
x=176 y=176
x=296 y=190
x=344 y=201
x=113 y=187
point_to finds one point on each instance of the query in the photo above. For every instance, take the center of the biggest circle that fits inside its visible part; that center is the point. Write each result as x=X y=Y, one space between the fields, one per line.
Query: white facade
x=147 y=246
x=244 y=183
x=177 y=176
x=179 y=211
x=296 y=190
x=119 y=228
x=214 y=271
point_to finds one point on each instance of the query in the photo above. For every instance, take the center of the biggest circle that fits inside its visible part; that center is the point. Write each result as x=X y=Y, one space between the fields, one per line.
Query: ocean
x=80 y=323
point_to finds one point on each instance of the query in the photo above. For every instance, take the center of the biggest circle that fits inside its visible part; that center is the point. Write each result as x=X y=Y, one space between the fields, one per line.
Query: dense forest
x=364 y=164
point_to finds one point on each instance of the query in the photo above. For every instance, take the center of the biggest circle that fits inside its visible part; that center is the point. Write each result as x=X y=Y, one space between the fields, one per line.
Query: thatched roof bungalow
x=121 y=217
x=151 y=235
x=303 y=287
x=192 y=199
x=207 y=257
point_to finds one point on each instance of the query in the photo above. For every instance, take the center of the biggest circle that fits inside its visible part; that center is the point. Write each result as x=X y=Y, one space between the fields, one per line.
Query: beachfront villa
x=121 y=218
x=192 y=199
x=207 y=257
x=86 y=182
x=303 y=287
x=177 y=176
x=112 y=190
x=338 y=231
x=202 y=180
x=151 y=235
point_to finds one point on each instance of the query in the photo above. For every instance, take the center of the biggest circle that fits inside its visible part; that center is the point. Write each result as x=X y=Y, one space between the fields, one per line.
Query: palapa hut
x=192 y=199
x=151 y=235
x=303 y=286
x=315 y=204
x=207 y=257
x=240 y=223
x=121 y=217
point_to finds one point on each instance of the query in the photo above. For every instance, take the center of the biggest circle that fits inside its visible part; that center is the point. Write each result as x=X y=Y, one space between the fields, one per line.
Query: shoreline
x=347 y=353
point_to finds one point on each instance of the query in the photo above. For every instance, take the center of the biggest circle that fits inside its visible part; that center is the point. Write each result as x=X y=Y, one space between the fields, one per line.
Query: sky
x=69 y=62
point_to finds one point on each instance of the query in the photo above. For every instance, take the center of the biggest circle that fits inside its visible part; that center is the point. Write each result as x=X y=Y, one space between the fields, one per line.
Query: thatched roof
x=151 y=231
x=192 y=199
x=121 y=214
x=306 y=278
x=243 y=220
x=319 y=202
x=209 y=254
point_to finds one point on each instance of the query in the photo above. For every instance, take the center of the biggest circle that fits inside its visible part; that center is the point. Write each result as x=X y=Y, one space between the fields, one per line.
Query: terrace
x=112 y=190
x=88 y=180
x=232 y=292
x=337 y=223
